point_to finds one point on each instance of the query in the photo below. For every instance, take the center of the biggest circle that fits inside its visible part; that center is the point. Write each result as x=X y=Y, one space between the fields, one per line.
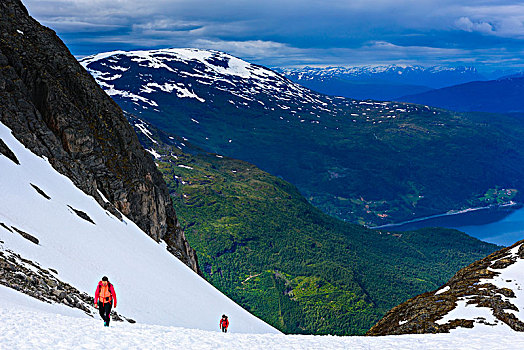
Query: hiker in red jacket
x=105 y=297
x=224 y=323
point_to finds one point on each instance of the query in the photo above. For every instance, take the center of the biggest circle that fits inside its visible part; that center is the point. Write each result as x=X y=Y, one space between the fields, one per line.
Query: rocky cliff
x=57 y=110
x=488 y=293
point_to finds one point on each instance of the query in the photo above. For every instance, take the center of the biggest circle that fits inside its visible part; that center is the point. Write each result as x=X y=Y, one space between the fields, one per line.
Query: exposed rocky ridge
x=56 y=109
x=30 y=278
x=481 y=287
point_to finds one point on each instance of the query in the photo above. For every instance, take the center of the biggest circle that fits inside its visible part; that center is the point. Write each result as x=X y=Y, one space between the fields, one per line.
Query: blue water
x=500 y=226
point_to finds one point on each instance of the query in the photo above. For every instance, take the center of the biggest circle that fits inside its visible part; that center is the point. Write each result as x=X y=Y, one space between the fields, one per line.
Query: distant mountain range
x=498 y=96
x=363 y=161
x=379 y=82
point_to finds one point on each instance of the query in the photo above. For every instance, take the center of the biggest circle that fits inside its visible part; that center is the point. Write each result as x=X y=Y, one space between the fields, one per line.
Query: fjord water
x=502 y=226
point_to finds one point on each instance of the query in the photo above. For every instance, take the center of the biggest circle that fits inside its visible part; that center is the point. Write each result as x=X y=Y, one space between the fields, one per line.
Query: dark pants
x=224 y=330
x=105 y=311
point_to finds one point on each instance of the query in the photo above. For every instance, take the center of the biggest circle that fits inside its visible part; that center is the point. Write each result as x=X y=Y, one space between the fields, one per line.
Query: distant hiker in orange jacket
x=105 y=296
x=224 y=323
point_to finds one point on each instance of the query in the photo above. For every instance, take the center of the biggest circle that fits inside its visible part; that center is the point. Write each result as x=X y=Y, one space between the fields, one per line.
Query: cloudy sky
x=482 y=33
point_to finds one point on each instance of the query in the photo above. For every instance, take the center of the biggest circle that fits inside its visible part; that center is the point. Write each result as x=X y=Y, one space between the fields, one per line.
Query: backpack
x=110 y=298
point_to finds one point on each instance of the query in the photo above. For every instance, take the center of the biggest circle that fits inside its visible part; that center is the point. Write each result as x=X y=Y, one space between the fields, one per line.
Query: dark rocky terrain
x=483 y=284
x=57 y=110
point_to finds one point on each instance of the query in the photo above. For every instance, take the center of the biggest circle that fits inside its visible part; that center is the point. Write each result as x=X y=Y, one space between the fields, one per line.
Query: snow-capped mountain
x=434 y=76
x=379 y=82
x=363 y=161
x=487 y=295
x=188 y=73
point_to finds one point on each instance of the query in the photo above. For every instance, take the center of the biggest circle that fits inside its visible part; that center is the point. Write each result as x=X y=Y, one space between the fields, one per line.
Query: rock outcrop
x=58 y=111
x=487 y=292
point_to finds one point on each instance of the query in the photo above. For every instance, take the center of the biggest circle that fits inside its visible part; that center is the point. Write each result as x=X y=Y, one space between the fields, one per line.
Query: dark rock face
x=422 y=313
x=26 y=235
x=4 y=150
x=57 y=110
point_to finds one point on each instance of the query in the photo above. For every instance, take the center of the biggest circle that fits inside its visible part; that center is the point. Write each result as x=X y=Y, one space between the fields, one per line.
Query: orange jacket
x=224 y=323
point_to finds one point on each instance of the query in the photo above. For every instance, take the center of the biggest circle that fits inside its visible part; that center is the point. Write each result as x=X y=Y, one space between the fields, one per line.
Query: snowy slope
x=151 y=284
x=26 y=323
x=189 y=73
x=507 y=284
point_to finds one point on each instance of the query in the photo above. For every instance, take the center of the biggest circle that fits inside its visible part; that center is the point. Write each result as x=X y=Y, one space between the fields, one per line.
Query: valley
x=260 y=242
x=366 y=162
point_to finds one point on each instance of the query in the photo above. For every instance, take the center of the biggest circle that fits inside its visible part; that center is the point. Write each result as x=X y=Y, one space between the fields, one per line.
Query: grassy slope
x=261 y=243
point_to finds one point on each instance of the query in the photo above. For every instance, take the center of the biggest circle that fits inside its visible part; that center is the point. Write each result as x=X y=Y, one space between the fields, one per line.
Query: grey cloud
x=293 y=32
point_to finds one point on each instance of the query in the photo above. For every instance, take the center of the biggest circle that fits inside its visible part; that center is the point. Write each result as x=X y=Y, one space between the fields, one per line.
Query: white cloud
x=250 y=48
x=466 y=24
x=501 y=20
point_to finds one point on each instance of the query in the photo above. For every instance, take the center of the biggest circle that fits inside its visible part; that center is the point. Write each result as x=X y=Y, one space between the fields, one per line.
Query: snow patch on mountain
x=181 y=91
x=509 y=281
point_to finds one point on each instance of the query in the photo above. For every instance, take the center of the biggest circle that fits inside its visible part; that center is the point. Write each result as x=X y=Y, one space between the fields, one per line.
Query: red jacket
x=224 y=323
x=111 y=290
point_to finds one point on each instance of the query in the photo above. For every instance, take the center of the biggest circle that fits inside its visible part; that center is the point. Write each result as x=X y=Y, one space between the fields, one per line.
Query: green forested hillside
x=261 y=243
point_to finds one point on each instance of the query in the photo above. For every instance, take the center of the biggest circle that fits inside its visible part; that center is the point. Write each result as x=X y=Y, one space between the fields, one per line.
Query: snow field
x=27 y=323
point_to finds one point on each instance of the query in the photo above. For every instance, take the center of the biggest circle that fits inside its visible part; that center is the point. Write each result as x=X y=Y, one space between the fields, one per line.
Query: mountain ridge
x=381 y=82
x=492 y=96
x=442 y=75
